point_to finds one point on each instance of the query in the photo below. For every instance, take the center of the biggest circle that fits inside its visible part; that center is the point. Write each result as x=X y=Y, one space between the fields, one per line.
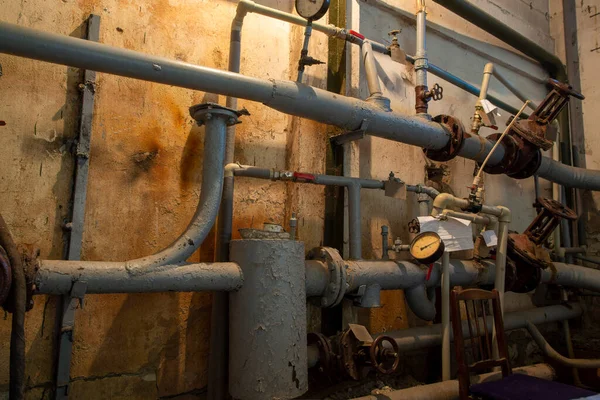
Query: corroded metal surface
x=268 y=353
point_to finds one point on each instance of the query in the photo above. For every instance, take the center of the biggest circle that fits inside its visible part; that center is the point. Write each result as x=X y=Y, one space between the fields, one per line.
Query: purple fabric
x=525 y=387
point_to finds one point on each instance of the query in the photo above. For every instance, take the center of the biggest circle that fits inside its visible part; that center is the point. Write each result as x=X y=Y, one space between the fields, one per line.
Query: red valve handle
x=358 y=35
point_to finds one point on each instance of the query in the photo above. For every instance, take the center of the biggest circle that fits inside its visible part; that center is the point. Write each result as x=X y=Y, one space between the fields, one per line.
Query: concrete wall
x=146 y=165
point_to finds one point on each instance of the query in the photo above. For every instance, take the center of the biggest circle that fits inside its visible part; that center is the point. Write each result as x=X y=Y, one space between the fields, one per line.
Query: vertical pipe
x=370 y=69
x=501 y=260
x=421 y=62
x=446 y=317
x=304 y=53
x=568 y=339
x=385 y=243
x=354 y=222
x=421 y=54
x=268 y=356
x=423 y=200
x=219 y=319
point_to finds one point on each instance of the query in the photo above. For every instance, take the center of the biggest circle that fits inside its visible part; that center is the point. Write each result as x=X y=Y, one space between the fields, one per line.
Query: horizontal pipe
x=448 y=390
x=555 y=355
x=289 y=97
x=571 y=275
x=57 y=277
x=494 y=27
x=431 y=335
x=570 y=177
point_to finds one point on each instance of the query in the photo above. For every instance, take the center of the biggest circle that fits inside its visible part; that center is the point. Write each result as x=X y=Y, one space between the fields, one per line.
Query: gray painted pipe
x=431 y=335
x=206 y=212
x=571 y=275
x=268 y=357
x=448 y=390
x=568 y=176
x=370 y=69
x=393 y=275
x=285 y=96
x=57 y=277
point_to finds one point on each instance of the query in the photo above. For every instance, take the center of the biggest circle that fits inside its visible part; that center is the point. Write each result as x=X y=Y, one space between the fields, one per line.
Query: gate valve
x=436 y=93
x=550 y=212
x=384 y=359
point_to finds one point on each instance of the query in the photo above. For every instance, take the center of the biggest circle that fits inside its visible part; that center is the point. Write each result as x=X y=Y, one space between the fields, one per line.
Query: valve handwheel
x=382 y=356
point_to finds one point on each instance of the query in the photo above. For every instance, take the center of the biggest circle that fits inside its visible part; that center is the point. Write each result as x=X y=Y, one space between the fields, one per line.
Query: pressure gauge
x=312 y=10
x=427 y=247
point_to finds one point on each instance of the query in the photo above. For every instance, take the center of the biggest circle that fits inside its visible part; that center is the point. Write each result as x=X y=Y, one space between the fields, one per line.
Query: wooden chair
x=478 y=304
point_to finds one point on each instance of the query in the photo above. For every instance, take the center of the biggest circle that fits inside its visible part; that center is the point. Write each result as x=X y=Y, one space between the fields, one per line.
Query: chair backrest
x=477 y=328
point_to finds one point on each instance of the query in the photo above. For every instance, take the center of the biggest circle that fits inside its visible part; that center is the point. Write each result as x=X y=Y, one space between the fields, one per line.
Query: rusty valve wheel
x=380 y=356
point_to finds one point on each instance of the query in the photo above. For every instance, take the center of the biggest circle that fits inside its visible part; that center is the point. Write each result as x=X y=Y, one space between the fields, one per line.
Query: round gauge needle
x=430 y=244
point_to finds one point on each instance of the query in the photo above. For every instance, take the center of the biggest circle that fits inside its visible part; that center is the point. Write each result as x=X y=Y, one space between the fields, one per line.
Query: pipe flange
x=325 y=364
x=205 y=111
x=456 y=132
x=511 y=155
x=529 y=169
x=336 y=289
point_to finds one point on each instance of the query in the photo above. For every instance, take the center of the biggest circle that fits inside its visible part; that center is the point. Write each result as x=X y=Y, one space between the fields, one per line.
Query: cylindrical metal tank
x=267 y=357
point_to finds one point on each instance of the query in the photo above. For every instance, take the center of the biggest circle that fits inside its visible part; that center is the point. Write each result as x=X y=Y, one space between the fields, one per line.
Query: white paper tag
x=490 y=238
x=456 y=233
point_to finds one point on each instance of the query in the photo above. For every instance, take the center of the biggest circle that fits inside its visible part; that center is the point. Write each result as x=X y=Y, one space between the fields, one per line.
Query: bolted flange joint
x=206 y=111
x=336 y=289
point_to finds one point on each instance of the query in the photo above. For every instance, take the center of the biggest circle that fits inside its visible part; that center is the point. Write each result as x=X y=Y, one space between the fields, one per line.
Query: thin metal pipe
x=446 y=356
x=501 y=252
x=569 y=340
x=491 y=25
x=354 y=222
x=515 y=90
x=57 y=277
x=421 y=61
x=370 y=70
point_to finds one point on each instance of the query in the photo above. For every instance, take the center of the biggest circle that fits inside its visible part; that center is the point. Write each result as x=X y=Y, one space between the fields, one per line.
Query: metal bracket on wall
x=351 y=136
x=69 y=303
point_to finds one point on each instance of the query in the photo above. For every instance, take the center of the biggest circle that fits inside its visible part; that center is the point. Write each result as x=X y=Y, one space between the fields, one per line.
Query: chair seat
x=525 y=387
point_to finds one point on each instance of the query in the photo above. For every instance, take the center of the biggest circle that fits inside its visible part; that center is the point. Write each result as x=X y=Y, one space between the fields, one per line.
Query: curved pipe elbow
x=505 y=215
x=489 y=68
x=441 y=202
x=420 y=303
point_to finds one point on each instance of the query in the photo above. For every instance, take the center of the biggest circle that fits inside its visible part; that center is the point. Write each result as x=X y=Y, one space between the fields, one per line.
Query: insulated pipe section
x=288 y=97
x=449 y=389
x=555 y=355
x=268 y=357
x=574 y=276
x=57 y=277
x=570 y=177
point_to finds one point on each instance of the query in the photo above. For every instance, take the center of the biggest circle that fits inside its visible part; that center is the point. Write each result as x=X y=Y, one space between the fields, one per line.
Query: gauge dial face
x=427 y=247
x=312 y=9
